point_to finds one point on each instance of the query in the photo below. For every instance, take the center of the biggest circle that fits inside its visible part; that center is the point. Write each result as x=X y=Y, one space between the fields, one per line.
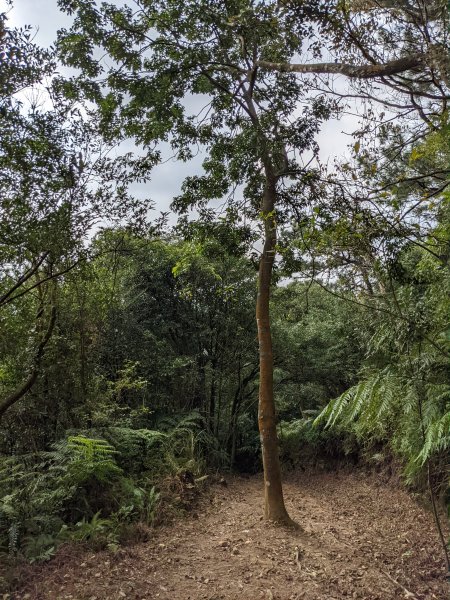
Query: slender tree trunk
x=238 y=399
x=231 y=441
x=275 y=509
x=436 y=518
x=83 y=353
x=212 y=395
x=219 y=399
x=367 y=282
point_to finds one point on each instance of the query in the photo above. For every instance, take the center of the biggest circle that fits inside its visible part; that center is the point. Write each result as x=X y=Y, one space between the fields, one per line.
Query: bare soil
x=362 y=539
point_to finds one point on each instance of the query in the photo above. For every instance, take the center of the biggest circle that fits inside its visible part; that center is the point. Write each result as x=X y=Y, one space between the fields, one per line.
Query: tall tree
x=237 y=58
x=167 y=57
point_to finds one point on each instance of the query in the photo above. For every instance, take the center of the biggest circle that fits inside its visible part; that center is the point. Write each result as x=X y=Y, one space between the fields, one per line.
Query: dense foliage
x=129 y=364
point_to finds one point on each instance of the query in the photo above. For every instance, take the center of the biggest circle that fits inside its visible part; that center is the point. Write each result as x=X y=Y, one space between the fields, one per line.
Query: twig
x=407 y=592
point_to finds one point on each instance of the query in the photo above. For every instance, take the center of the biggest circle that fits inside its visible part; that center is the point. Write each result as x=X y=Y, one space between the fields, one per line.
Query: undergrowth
x=94 y=486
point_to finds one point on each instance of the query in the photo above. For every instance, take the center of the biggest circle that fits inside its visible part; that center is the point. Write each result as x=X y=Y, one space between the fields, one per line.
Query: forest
x=245 y=394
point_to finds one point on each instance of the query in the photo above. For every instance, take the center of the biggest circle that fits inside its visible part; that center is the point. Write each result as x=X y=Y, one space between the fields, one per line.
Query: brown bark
x=275 y=509
x=369 y=71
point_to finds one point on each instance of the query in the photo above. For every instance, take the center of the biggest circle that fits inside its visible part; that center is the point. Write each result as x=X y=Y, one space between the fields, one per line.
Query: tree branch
x=355 y=71
x=25 y=387
x=23 y=278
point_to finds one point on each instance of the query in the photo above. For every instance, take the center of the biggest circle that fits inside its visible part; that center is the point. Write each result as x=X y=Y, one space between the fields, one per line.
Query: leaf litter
x=363 y=539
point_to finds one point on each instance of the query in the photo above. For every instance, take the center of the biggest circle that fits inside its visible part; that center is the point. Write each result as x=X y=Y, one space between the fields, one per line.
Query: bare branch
x=370 y=71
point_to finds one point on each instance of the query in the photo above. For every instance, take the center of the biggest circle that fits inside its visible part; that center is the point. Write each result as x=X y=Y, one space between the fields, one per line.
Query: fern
x=437 y=438
x=390 y=407
x=43 y=494
x=334 y=409
x=91 y=449
x=91 y=458
x=98 y=533
x=39 y=547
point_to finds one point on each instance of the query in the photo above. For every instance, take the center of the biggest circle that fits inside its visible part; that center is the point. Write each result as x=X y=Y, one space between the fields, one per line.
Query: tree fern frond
x=437 y=438
x=333 y=410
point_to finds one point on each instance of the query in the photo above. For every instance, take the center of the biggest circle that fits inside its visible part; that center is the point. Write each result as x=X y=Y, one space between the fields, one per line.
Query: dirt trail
x=363 y=540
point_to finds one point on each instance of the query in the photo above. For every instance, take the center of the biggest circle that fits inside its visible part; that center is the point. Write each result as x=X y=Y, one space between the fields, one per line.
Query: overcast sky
x=165 y=183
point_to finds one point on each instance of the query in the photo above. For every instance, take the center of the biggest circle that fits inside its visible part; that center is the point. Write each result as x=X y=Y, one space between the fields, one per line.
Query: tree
x=182 y=312
x=250 y=127
x=402 y=45
x=23 y=62
x=57 y=182
x=240 y=56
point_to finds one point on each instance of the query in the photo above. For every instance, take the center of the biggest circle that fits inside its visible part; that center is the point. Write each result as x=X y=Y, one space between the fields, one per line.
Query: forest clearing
x=224 y=299
x=363 y=539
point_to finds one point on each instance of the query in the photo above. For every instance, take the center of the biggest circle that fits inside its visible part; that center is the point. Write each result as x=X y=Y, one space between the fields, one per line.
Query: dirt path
x=363 y=540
